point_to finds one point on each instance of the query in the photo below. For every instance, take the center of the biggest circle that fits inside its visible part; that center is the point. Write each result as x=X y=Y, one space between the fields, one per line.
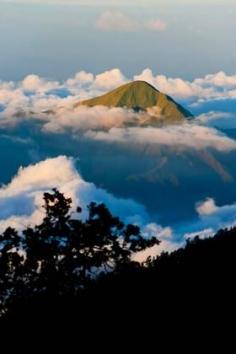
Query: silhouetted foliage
x=63 y=255
x=68 y=271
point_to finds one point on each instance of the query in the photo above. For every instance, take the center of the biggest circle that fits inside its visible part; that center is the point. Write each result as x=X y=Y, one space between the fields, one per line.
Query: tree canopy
x=70 y=268
x=64 y=254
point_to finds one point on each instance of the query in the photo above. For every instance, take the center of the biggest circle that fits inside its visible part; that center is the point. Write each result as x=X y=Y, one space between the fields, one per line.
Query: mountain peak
x=139 y=84
x=141 y=96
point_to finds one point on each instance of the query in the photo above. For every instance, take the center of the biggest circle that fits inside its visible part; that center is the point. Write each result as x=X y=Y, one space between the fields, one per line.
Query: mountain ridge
x=141 y=96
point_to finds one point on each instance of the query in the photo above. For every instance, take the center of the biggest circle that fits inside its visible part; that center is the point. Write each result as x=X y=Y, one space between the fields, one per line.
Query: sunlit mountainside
x=141 y=96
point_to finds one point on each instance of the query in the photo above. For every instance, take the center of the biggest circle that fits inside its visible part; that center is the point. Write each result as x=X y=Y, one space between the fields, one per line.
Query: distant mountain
x=142 y=97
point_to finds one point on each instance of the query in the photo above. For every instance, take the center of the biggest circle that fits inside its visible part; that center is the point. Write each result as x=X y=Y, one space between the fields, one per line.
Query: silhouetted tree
x=62 y=255
x=70 y=268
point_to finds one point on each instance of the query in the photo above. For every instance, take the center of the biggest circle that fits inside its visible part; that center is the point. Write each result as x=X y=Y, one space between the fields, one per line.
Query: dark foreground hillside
x=52 y=283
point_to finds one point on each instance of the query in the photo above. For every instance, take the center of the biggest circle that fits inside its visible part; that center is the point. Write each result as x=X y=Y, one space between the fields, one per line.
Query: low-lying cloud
x=211 y=219
x=213 y=86
x=84 y=119
x=217 y=216
x=21 y=205
x=21 y=200
x=183 y=136
x=54 y=104
x=15 y=96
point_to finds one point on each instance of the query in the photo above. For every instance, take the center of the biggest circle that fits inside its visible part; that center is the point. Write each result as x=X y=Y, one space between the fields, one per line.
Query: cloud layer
x=21 y=200
x=216 y=86
x=53 y=103
x=183 y=136
x=211 y=219
x=34 y=92
x=21 y=204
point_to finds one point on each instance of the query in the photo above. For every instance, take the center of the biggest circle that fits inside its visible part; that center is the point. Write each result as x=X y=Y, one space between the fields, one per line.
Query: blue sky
x=185 y=39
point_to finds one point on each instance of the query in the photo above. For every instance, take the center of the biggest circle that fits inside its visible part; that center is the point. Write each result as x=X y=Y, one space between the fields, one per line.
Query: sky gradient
x=172 y=38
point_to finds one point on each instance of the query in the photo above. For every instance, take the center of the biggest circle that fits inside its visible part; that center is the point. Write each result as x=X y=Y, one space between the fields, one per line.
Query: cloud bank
x=216 y=86
x=21 y=205
x=34 y=92
x=211 y=219
x=216 y=216
x=21 y=200
x=53 y=103
x=183 y=136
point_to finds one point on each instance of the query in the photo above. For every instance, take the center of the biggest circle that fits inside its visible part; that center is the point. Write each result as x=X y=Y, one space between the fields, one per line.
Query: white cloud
x=220 y=80
x=202 y=234
x=216 y=216
x=183 y=136
x=115 y=21
x=109 y=125
x=176 y=87
x=214 y=86
x=118 y=21
x=80 y=79
x=168 y=243
x=207 y=207
x=34 y=83
x=213 y=116
x=211 y=219
x=21 y=204
x=35 y=94
x=83 y=119
x=21 y=200
x=15 y=96
x=218 y=119
x=109 y=79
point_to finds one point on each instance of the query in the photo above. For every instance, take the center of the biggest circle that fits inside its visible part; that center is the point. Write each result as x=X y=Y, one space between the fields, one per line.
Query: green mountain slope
x=141 y=96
